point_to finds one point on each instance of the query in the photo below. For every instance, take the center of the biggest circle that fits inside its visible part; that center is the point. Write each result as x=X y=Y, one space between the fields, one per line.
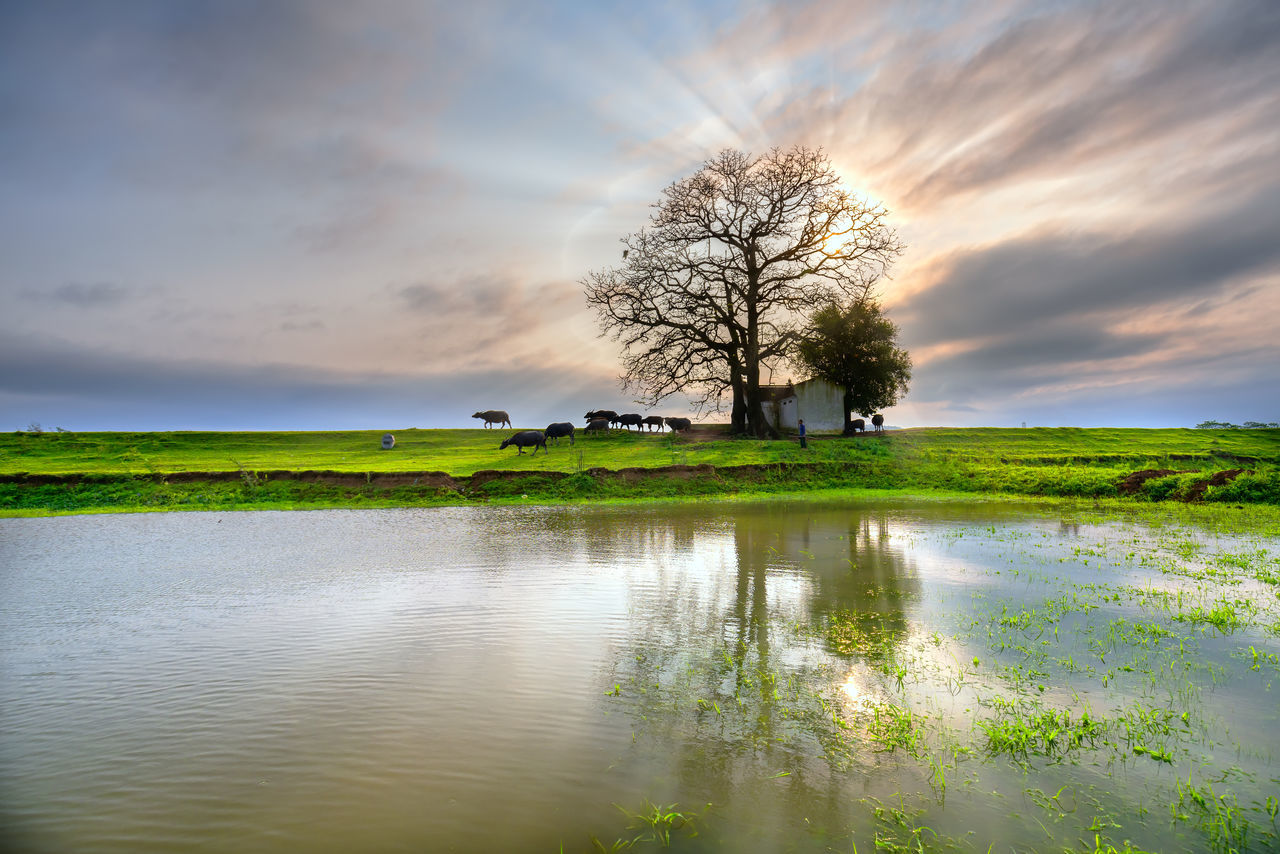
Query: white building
x=818 y=402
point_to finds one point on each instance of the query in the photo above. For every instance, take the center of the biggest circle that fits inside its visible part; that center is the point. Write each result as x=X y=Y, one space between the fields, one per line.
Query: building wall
x=819 y=403
x=787 y=414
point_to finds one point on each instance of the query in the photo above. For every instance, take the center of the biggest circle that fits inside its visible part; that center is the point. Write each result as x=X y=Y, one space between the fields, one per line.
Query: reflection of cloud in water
x=949 y=569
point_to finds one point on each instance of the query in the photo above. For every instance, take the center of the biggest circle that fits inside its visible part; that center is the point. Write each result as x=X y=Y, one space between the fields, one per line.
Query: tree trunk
x=848 y=411
x=758 y=423
x=760 y=426
x=738 y=420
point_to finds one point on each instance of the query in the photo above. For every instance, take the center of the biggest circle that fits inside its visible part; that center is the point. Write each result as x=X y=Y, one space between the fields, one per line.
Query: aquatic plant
x=1030 y=729
x=893 y=727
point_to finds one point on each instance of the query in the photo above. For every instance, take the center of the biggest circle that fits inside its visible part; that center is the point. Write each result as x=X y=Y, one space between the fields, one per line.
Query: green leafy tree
x=854 y=346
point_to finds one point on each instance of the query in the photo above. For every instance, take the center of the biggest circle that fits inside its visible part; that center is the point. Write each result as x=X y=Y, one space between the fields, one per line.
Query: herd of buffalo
x=857 y=425
x=598 y=420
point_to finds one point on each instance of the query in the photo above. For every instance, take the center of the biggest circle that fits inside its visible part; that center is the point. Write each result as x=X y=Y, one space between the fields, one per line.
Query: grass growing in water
x=654 y=824
x=1022 y=730
x=1099 y=654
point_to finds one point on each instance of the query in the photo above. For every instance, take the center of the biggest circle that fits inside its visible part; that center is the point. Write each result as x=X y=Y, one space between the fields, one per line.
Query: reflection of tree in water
x=855 y=586
x=723 y=673
x=617 y=534
x=861 y=599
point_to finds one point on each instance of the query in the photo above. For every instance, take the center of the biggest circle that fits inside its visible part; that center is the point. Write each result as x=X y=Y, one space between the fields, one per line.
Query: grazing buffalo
x=597 y=425
x=494 y=416
x=606 y=414
x=877 y=421
x=679 y=423
x=629 y=420
x=651 y=421
x=524 y=439
x=857 y=425
x=560 y=428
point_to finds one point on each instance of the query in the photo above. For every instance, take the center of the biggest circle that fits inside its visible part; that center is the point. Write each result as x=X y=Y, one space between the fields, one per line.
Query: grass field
x=118 y=471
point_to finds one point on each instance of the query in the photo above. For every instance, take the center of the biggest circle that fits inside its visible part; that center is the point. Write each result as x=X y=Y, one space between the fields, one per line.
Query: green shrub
x=1259 y=487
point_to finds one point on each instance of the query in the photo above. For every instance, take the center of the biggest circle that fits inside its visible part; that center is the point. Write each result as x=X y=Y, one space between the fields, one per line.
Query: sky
x=377 y=215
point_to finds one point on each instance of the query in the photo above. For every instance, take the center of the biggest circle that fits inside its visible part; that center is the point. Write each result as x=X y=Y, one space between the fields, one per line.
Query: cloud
x=1056 y=316
x=312 y=118
x=491 y=318
x=83 y=294
x=1130 y=84
x=1087 y=190
x=302 y=326
x=1025 y=283
x=1088 y=361
x=59 y=382
x=945 y=104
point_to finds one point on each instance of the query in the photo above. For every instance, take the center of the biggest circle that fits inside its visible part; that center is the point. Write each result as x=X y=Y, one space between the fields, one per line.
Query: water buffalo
x=597 y=425
x=607 y=414
x=629 y=420
x=560 y=428
x=679 y=423
x=524 y=439
x=494 y=416
x=877 y=421
x=651 y=421
x=857 y=425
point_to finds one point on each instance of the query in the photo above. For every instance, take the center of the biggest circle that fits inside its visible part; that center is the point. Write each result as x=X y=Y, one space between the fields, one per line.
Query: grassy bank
x=93 y=472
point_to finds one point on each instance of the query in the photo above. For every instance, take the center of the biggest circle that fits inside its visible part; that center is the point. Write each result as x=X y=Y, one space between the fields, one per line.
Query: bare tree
x=715 y=288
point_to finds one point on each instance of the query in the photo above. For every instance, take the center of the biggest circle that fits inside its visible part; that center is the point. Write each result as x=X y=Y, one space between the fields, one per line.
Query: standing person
x=803 y=442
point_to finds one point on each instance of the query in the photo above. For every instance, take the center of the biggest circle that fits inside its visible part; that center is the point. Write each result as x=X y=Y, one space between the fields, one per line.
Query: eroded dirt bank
x=391 y=480
x=1130 y=485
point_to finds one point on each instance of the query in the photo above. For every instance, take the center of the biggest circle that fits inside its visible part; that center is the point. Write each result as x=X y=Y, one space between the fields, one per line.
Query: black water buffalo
x=597 y=425
x=629 y=420
x=494 y=416
x=651 y=421
x=877 y=421
x=857 y=425
x=607 y=414
x=524 y=439
x=560 y=428
x=679 y=423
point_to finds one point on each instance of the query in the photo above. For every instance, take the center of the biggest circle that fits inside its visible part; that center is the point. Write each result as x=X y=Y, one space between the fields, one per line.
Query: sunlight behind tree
x=713 y=290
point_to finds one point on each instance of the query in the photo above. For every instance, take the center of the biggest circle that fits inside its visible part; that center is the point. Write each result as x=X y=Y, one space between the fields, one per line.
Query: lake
x=783 y=676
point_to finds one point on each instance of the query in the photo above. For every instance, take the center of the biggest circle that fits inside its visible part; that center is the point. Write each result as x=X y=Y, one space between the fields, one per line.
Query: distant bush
x=1248 y=425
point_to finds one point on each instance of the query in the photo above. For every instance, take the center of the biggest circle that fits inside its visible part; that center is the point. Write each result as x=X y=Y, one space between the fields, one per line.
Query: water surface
x=799 y=676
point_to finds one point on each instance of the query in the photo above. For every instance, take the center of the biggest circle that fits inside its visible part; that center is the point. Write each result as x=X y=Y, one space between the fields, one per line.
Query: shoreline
x=60 y=495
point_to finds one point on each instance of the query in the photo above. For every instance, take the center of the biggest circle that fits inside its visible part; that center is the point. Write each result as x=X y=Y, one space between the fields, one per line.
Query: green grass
x=127 y=470
x=463 y=452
